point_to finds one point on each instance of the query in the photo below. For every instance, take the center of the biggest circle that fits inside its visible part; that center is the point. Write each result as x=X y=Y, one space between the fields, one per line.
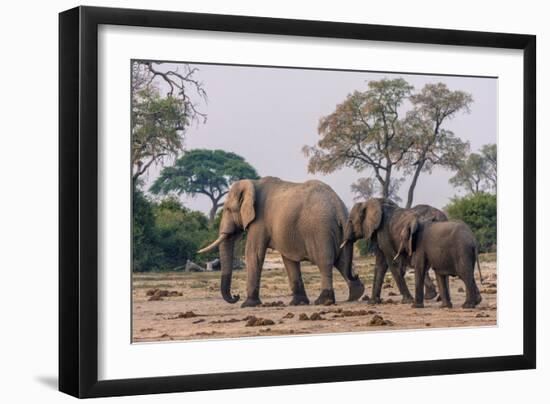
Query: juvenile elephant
x=450 y=248
x=302 y=221
x=373 y=220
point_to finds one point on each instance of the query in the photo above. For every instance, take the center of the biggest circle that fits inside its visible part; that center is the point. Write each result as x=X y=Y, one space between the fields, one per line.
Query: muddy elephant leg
x=296 y=283
x=401 y=284
x=443 y=285
x=429 y=288
x=380 y=269
x=327 y=292
x=255 y=255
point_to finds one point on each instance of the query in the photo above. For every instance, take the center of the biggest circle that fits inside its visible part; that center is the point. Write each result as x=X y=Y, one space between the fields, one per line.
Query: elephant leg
x=429 y=287
x=356 y=287
x=443 y=285
x=296 y=283
x=380 y=269
x=327 y=292
x=419 y=275
x=255 y=255
x=473 y=296
x=397 y=273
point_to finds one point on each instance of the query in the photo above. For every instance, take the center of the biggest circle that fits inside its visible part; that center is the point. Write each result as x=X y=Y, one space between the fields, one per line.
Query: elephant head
x=238 y=214
x=408 y=225
x=364 y=219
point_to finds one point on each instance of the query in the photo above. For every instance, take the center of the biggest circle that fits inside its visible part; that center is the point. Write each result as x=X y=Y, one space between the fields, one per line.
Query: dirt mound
x=158 y=294
x=278 y=303
x=187 y=314
x=313 y=317
x=353 y=313
x=231 y=320
x=379 y=320
x=289 y=315
x=488 y=291
x=258 y=321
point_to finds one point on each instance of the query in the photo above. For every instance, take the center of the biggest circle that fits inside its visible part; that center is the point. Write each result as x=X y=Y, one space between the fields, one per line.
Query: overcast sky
x=266 y=115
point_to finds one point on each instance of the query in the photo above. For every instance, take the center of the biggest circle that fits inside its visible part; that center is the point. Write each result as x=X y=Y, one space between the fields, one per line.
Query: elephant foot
x=251 y=302
x=417 y=305
x=374 y=300
x=446 y=305
x=326 y=298
x=430 y=294
x=356 y=290
x=438 y=298
x=298 y=300
x=468 y=305
x=478 y=298
x=407 y=300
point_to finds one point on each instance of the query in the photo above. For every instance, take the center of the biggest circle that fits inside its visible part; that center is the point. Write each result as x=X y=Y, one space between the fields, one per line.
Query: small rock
x=482 y=315
x=289 y=315
x=428 y=324
x=303 y=317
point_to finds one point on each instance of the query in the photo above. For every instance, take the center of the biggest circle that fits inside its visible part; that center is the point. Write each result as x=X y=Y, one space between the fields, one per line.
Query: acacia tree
x=489 y=153
x=162 y=109
x=364 y=132
x=432 y=143
x=205 y=172
x=478 y=172
x=366 y=188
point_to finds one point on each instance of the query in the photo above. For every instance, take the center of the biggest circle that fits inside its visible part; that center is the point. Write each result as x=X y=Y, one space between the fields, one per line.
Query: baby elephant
x=449 y=248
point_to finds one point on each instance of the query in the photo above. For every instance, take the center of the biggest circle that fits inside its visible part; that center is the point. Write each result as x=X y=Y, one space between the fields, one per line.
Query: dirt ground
x=188 y=306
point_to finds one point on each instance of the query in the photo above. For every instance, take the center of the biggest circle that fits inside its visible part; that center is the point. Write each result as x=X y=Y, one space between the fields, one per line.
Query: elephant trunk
x=226 y=261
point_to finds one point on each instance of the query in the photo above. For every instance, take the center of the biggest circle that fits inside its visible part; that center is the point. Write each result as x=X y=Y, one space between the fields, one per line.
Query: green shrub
x=479 y=211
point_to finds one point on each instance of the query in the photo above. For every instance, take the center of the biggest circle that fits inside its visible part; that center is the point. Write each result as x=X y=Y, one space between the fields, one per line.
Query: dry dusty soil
x=188 y=306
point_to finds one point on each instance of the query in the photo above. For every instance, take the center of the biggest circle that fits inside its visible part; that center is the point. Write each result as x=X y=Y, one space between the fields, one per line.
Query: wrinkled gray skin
x=372 y=220
x=302 y=221
x=450 y=248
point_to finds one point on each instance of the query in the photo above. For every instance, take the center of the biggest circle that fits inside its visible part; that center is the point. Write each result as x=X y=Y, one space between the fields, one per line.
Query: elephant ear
x=373 y=217
x=247 y=200
x=410 y=226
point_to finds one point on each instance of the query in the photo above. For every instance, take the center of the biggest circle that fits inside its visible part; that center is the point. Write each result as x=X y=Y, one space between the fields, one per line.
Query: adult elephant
x=302 y=221
x=375 y=220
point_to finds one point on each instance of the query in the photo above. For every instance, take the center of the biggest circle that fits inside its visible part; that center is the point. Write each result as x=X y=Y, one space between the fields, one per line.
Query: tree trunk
x=410 y=194
x=212 y=215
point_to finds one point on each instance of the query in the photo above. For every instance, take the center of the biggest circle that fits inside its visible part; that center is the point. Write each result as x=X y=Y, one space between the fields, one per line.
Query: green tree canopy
x=204 y=172
x=432 y=143
x=478 y=173
x=365 y=131
x=479 y=211
x=162 y=109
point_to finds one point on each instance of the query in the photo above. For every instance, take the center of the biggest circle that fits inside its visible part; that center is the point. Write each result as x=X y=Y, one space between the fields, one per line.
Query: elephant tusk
x=214 y=244
x=343 y=244
x=396 y=256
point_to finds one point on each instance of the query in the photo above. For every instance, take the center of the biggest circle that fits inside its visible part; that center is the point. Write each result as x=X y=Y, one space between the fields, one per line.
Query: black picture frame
x=78 y=201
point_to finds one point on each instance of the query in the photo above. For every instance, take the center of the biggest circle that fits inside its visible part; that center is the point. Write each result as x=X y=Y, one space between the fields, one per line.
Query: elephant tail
x=478 y=266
